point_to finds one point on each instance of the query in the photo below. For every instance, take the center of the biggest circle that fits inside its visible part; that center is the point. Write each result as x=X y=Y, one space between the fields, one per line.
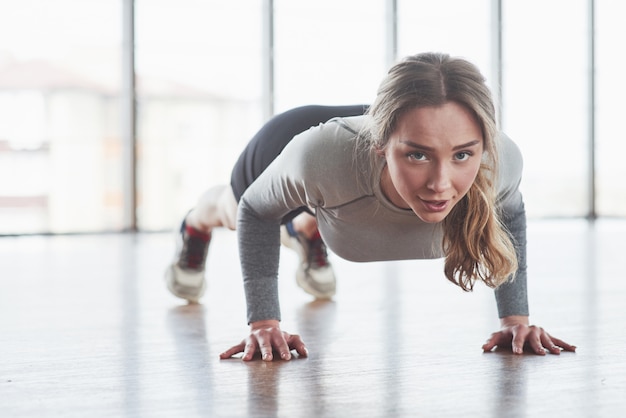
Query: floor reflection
x=129 y=320
x=316 y=322
x=509 y=383
x=187 y=325
x=263 y=388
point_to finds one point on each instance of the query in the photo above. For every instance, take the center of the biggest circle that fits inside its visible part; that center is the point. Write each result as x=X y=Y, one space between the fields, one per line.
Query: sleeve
x=512 y=296
x=275 y=193
x=259 y=252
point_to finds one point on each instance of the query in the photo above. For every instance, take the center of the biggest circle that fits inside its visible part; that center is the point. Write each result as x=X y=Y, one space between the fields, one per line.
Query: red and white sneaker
x=315 y=274
x=185 y=275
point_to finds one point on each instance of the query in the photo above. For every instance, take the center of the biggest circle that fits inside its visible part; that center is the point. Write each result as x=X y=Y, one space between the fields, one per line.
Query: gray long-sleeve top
x=326 y=169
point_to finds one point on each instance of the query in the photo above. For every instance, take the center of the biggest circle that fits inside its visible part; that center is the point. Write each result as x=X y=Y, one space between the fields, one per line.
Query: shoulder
x=336 y=131
x=510 y=168
x=510 y=158
x=330 y=145
x=325 y=162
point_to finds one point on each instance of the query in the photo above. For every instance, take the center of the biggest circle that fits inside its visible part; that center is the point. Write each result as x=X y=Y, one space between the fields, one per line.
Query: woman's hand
x=517 y=334
x=267 y=338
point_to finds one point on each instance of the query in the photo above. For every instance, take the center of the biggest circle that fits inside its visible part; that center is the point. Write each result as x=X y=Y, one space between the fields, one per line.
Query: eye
x=462 y=156
x=416 y=156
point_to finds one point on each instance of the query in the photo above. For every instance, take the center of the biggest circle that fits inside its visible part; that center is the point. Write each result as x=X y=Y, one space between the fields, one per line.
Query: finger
x=519 y=339
x=565 y=346
x=232 y=351
x=534 y=340
x=295 y=343
x=492 y=342
x=265 y=346
x=547 y=342
x=280 y=345
x=249 y=350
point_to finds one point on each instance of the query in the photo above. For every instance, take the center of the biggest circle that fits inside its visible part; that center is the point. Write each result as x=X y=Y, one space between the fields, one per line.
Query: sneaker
x=185 y=276
x=315 y=274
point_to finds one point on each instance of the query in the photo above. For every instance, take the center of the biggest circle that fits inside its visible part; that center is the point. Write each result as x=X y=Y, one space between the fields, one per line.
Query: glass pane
x=199 y=99
x=545 y=104
x=328 y=52
x=457 y=27
x=60 y=146
x=610 y=93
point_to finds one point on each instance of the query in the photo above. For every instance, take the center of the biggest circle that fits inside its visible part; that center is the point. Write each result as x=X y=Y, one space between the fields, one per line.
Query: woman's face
x=432 y=159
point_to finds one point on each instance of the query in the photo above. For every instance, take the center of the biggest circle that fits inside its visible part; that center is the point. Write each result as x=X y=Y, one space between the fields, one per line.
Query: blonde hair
x=476 y=244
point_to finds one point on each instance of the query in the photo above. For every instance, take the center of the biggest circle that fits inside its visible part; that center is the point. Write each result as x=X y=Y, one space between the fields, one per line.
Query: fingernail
x=266 y=356
x=285 y=356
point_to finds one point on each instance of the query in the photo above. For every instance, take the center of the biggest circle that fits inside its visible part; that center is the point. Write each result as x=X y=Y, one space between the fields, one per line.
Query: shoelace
x=193 y=253
x=318 y=256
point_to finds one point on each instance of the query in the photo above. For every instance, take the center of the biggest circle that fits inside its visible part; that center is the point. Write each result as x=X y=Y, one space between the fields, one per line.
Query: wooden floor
x=87 y=329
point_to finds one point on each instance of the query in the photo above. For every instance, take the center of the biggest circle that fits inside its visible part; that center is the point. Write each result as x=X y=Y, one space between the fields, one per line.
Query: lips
x=435 y=205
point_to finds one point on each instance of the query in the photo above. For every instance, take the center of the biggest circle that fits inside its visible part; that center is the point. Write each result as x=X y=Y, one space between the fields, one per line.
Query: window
x=457 y=27
x=201 y=94
x=328 y=52
x=545 y=85
x=198 y=99
x=59 y=130
x=610 y=93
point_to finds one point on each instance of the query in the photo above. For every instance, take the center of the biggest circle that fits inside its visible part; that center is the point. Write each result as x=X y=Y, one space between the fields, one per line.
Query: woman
x=423 y=174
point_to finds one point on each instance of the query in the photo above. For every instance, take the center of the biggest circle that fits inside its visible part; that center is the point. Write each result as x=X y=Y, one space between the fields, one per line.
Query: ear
x=379 y=151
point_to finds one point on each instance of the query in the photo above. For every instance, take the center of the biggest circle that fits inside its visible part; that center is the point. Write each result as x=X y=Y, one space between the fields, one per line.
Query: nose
x=439 y=178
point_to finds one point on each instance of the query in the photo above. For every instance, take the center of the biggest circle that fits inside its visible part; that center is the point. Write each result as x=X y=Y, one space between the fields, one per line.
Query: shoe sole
x=191 y=294
x=303 y=283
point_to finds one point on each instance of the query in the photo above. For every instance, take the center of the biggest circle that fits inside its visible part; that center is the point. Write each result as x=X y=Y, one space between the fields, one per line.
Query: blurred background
x=116 y=115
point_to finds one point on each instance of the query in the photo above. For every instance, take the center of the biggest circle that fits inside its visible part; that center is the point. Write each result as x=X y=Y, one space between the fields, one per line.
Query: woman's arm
x=275 y=193
x=512 y=296
x=259 y=252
